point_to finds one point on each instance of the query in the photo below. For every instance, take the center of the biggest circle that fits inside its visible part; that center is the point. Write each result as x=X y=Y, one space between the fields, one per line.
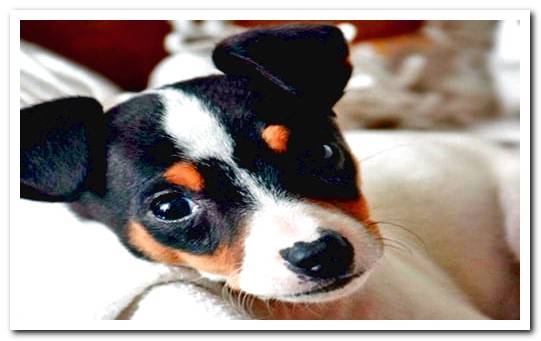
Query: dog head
x=244 y=176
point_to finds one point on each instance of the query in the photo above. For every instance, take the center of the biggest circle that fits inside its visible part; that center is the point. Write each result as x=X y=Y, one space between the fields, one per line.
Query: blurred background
x=408 y=74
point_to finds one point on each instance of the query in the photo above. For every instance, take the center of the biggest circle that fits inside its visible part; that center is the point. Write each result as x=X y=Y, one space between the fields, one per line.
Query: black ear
x=309 y=61
x=62 y=148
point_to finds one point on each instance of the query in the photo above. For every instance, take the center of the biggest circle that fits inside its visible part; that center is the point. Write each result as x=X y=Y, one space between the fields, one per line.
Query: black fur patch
x=62 y=149
x=308 y=61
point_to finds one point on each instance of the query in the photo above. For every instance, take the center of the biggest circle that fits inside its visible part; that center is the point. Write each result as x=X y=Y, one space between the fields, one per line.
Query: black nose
x=329 y=256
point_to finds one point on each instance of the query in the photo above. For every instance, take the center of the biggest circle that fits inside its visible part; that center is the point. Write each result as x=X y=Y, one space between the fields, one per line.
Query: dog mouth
x=327 y=287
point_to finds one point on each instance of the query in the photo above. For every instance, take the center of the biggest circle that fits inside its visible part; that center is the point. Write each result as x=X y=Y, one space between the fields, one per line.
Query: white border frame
x=522 y=15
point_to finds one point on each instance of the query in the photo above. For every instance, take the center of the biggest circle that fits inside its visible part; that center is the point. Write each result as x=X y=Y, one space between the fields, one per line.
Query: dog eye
x=331 y=155
x=327 y=152
x=172 y=206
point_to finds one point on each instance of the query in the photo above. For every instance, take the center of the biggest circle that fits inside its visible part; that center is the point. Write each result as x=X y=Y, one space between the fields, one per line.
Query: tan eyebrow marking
x=185 y=174
x=276 y=136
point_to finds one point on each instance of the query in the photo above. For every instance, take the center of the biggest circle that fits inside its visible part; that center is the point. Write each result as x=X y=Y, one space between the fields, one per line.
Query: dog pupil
x=171 y=207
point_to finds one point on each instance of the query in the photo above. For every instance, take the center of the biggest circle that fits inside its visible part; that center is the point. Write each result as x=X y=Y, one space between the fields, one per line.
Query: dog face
x=244 y=177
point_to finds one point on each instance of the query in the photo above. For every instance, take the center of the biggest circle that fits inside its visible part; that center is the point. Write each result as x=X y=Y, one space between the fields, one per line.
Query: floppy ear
x=62 y=147
x=308 y=61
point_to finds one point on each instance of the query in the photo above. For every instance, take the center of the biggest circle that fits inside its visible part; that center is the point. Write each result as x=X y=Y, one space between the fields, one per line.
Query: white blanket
x=64 y=269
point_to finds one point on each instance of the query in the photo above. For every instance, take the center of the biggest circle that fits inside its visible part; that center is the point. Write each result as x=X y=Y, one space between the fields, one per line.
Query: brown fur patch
x=186 y=175
x=357 y=209
x=276 y=136
x=225 y=260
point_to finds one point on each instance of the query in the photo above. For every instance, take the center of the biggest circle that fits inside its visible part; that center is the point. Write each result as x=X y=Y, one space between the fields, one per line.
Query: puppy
x=246 y=178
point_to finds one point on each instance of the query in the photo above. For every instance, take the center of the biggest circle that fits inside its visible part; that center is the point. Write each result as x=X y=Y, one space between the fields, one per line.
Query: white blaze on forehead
x=194 y=128
x=200 y=135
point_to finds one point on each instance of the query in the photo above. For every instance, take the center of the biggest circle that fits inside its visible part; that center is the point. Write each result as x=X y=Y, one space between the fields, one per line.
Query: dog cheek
x=139 y=238
x=357 y=208
x=224 y=260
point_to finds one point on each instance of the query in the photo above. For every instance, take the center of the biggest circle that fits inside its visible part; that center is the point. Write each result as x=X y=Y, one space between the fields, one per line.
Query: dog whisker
x=416 y=236
x=394 y=247
x=398 y=244
x=371 y=156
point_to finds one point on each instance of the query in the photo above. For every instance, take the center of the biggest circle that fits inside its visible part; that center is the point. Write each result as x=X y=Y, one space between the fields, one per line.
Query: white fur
x=278 y=226
x=275 y=222
x=199 y=134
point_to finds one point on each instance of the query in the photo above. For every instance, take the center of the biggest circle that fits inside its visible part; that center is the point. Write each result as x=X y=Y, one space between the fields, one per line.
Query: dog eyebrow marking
x=186 y=175
x=197 y=132
x=200 y=136
x=222 y=261
x=276 y=136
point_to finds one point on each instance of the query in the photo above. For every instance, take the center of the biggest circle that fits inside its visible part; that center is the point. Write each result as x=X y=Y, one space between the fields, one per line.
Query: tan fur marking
x=276 y=136
x=224 y=261
x=186 y=175
x=357 y=209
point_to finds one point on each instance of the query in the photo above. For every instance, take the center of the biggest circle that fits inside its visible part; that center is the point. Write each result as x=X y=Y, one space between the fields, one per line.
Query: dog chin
x=333 y=291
